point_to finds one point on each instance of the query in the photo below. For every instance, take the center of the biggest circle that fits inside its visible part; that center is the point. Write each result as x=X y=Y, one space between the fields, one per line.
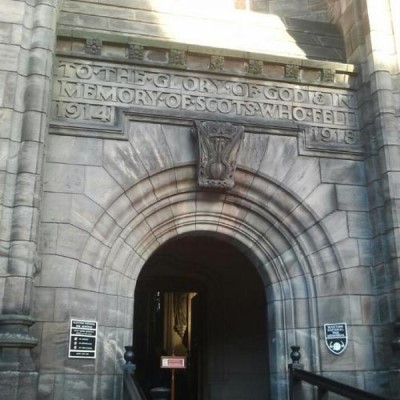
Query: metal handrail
x=132 y=389
x=297 y=375
x=326 y=385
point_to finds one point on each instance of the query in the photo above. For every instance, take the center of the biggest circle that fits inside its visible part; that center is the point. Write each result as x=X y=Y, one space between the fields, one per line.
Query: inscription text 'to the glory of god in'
x=87 y=92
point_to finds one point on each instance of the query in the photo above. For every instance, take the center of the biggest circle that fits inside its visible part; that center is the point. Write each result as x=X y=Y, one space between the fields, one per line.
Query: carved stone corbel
x=219 y=144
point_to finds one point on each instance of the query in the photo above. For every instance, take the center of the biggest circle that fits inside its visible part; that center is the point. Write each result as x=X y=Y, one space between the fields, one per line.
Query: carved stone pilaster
x=255 y=67
x=136 y=52
x=217 y=63
x=177 y=58
x=219 y=145
x=93 y=47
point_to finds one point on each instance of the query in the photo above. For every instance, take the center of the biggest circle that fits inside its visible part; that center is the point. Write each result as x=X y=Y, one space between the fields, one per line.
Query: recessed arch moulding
x=130 y=197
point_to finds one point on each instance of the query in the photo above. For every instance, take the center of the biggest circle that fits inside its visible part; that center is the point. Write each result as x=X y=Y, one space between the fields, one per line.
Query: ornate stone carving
x=136 y=52
x=328 y=75
x=292 y=71
x=255 y=67
x=93 y=47
x=217 y=63
x=219 y=145
x=177 y=58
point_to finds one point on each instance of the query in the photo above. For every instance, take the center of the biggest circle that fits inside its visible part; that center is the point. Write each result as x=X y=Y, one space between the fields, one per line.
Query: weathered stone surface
x=64 y=178
x=122 y=163
x=9 y=56
x=122 y=211
x=100 y=186
x=352 y=198
x=58 y=271
x=303 y=178
x=77 y=151
x=337 y=226
x=252 y=151
x=56 y=207
x=164 y=184
x=106 y=230
x=22 y=223
x=71 y=241
x=141 y=195
x=119 y=256
x=149 y=139
x=111 y=281
x=280 y=155
x=52 y=356
x=182 y=144
x=83 y=212
x=48 y=236
x=359 y=225
x=322 y=201
x=95 y=252
x=349 y=252
x=46 y=386
x=87 y=277
x=343 y=172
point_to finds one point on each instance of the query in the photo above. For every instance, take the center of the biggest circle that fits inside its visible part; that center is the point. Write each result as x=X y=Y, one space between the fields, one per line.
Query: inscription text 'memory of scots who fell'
x=89 y=92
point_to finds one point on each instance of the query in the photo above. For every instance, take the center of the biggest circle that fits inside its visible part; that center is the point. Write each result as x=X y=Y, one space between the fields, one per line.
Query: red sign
x=173 y=362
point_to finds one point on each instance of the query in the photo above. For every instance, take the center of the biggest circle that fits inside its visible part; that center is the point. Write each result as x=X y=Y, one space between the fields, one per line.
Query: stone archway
x=274 y=229
x=199 y=297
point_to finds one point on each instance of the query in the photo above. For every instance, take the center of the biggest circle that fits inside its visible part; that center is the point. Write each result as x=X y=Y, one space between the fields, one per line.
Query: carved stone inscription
x=87 y=92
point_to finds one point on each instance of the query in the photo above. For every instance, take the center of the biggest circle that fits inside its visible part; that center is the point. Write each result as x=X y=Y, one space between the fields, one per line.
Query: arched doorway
x=286 y=243
x=200 y=297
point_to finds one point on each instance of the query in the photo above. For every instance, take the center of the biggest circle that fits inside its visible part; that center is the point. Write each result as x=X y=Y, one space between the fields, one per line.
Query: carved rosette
x=219 y=144
x=217 y=63
x=177 y=58
x=136 y=52
x=292 y=71
x=255 y=67
x=93 y=47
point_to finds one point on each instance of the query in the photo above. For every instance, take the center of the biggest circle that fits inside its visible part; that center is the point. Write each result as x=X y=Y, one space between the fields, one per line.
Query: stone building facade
x=218 y=180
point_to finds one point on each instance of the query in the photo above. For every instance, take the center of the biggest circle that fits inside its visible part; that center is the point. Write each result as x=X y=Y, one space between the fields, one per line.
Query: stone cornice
x=159 y=53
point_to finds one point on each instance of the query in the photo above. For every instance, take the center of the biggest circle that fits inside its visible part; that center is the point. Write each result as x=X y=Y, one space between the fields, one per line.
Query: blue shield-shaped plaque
x=336 y=338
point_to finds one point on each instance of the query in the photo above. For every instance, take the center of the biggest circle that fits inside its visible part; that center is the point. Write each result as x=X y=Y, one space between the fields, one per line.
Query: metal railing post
x=129 y=367
x=295 y=390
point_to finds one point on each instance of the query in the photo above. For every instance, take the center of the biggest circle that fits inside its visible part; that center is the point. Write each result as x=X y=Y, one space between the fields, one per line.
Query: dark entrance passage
x=199 y=297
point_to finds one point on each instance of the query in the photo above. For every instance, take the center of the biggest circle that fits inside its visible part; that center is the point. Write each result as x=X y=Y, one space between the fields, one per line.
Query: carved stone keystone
x=219 y=144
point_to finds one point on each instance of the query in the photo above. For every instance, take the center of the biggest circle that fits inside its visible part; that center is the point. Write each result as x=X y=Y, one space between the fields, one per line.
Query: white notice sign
x=82 y=339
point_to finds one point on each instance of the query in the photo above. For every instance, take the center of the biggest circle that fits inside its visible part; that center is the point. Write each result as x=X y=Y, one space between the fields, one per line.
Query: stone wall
x=314 y=205
x=196 y=24
x=120 y=181
x=27 y=43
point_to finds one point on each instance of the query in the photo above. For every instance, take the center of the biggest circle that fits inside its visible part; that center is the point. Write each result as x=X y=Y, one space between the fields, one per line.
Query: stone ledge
x=14 y=331
x=16 y=319
x=171 y=55
x=15 y=340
